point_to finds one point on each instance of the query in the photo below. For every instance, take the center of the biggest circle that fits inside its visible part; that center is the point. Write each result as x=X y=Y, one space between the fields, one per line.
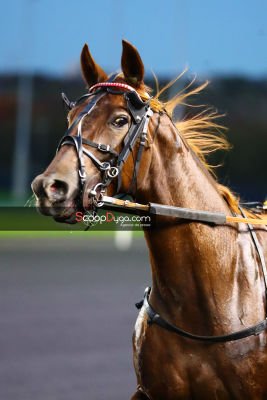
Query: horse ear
x=91 y=71
x=131 y=64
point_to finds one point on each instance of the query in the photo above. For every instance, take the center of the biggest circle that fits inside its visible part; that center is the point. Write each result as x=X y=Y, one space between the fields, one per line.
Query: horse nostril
x=38 y=187
x=56 y=190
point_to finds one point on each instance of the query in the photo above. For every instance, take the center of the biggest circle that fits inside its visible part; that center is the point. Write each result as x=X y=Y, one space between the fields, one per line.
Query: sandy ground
x=66 y=318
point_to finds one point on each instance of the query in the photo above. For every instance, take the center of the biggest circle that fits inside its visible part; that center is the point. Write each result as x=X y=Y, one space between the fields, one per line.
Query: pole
x=22 y=137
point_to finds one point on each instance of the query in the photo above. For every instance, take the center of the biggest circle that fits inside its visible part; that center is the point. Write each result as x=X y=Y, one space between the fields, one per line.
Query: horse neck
x=193 y=264
x=176 y=176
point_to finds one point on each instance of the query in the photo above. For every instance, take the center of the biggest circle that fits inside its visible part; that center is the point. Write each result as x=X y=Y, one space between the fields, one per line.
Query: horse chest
x=170 y=369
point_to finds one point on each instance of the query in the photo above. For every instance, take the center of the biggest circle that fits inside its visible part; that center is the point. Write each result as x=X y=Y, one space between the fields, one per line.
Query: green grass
x=62 y=234
x=16 y=220
x=47 y=234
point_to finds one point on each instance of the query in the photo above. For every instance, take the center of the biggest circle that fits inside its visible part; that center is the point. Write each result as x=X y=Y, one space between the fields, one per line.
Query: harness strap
x=76 y=142
x=142 y=143
x=129 y=142
x=104 y=148
x=155 y=318
x=259 y=251
x=87 y=108
x=137 y=129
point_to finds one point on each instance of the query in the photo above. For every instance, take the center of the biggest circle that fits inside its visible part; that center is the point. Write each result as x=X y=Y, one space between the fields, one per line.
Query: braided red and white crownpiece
x=118 y=85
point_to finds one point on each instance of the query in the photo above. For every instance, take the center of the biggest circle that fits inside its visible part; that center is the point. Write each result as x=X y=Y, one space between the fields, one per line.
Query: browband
x=117 y=85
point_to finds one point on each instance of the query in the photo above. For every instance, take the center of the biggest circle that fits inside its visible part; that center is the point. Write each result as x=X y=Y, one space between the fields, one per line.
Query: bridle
x=140 y=113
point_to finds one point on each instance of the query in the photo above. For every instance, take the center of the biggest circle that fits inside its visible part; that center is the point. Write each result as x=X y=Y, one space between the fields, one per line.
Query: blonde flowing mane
x=202 y=132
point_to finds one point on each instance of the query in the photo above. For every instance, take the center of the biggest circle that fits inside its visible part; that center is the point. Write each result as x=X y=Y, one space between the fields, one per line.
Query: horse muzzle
x=55 y=196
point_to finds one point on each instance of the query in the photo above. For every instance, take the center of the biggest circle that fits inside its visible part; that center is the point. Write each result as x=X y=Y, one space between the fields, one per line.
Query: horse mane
x=203 y=134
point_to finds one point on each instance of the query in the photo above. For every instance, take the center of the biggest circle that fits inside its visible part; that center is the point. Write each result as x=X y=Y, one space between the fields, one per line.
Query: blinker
x=135 y=106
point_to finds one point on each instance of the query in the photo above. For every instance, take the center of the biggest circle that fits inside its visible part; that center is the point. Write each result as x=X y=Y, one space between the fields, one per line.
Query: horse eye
x=119 y=122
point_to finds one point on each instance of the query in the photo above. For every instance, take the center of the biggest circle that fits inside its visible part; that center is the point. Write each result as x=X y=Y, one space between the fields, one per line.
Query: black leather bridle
x=140 y=112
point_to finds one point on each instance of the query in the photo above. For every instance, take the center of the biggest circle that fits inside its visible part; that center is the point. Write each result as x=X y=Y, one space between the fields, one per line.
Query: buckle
x=113 y=172
x=103 y=147
x=105 y=166
x=97 y=194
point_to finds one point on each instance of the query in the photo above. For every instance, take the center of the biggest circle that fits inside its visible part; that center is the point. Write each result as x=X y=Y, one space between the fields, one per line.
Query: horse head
x=105 y=126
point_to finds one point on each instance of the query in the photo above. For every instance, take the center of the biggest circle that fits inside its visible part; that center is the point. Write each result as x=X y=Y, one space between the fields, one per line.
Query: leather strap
x=155 y=318
x=104 y=148
x=259 y=251
x=143 y=138
x=136 y=130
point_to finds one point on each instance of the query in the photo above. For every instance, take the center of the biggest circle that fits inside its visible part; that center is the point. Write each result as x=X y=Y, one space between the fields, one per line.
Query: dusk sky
x=209 y=36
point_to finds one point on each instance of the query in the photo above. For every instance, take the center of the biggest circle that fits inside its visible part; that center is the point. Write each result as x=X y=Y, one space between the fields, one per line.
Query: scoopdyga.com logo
x=110 y=219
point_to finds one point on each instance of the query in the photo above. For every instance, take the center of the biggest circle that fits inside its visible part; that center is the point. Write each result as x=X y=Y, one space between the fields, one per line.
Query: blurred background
x=66 y=304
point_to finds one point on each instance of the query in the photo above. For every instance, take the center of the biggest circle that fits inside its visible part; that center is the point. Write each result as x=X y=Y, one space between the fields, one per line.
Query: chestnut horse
x=206 y=279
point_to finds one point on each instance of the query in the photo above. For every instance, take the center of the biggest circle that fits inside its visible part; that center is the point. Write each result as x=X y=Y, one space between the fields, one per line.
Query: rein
x=95 y=197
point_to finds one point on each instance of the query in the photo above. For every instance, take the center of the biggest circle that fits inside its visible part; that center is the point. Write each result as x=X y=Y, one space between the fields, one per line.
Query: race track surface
x=67 y=316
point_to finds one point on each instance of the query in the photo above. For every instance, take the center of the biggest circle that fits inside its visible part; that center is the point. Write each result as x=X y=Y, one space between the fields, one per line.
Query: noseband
x=140 y=112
